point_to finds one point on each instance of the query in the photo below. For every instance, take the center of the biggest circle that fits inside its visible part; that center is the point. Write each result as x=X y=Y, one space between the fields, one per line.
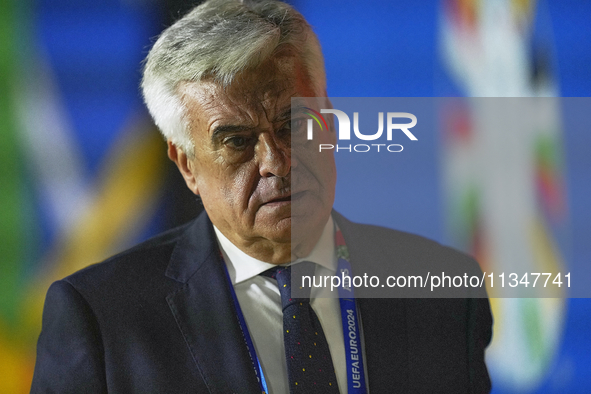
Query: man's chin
x=298 y=225
x=275 y=229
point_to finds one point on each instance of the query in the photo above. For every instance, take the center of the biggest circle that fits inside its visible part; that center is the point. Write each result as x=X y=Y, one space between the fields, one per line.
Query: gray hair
x=218 y=39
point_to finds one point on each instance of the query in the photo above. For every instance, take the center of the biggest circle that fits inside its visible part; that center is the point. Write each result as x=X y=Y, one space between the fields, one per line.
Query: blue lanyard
x=258 y=370
x=351 y=335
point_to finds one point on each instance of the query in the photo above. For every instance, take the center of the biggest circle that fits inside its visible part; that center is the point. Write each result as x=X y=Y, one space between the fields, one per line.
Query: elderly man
x=207 y=307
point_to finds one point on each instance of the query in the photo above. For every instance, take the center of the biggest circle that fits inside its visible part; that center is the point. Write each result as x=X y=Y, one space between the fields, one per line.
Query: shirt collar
x=242 y=267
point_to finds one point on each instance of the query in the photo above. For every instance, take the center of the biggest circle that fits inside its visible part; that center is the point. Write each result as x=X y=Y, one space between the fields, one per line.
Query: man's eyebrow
x=299 y=110
x=285 y=115
x=288 y=113
x=226 y=129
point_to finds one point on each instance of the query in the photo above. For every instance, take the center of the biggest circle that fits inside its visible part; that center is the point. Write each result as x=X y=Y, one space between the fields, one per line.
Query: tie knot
x=283 y=275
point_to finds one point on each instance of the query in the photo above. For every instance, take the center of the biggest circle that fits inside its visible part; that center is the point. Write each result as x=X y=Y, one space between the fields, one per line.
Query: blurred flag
x=81 y=167
x=503 y=170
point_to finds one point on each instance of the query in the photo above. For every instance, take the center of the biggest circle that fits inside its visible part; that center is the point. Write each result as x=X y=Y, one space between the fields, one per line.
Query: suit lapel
x=384 y=321
x=204 y=311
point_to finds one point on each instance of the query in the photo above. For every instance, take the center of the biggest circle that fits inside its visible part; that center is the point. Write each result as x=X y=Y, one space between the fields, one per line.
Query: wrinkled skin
x=253 y=185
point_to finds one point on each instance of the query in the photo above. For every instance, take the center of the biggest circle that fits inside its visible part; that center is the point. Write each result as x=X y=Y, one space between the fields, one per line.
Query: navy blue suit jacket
x=159 y=318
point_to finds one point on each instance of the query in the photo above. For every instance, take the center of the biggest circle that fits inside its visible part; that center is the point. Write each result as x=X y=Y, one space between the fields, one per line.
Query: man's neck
x=278 y=254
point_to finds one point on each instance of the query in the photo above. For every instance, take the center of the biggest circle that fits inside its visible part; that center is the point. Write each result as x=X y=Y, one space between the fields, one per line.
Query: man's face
x=251 y=182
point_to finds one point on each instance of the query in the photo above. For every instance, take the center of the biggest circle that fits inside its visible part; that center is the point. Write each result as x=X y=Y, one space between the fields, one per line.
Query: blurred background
x=84 y=174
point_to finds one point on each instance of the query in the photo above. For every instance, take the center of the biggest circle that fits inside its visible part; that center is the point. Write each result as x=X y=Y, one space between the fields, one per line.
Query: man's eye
x=236 y=142
x=297 y=131
x=293 y=126
x=297 y=124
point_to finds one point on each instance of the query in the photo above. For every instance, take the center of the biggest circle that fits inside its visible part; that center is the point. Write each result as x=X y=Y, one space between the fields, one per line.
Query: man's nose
x=274 y=156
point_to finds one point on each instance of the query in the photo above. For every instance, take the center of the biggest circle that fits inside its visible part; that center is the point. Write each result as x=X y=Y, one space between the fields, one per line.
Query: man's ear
x=185 y=166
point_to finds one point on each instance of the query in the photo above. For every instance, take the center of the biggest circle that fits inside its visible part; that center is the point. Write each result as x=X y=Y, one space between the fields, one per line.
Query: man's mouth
x=285 y=199
x=282 y=199
x=279 y=200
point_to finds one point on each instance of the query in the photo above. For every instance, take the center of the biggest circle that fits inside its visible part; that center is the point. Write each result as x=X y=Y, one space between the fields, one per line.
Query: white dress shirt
x=260 y=302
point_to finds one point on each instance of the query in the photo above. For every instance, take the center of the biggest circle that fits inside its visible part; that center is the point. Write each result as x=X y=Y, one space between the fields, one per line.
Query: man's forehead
x=209 y=99
x=265 y=91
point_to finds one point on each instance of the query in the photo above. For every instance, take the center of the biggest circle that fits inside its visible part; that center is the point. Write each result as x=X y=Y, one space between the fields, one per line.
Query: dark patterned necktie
x=309 y=364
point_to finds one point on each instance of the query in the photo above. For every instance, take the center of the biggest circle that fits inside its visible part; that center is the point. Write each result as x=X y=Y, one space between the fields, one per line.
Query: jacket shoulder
x=148 y=259
x=381 y=246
